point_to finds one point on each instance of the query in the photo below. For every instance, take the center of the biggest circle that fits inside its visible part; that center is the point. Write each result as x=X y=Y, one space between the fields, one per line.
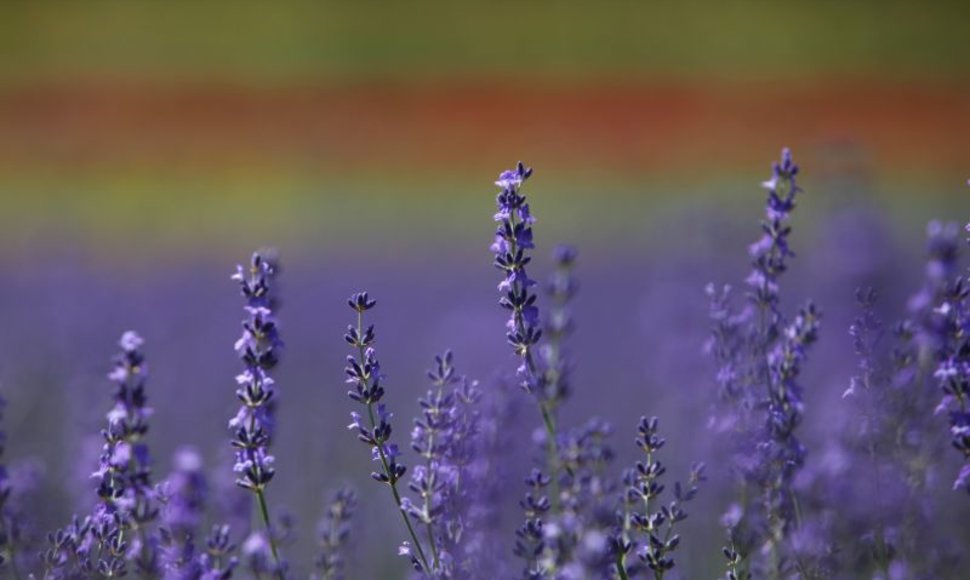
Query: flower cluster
x=783 y=453
x=868 y=502
x=364 y=373
x=259 y=350
x=953 y=371
x=513 y=239
x=642 y=516
x=186 y=491
x=759 y=358
x=770 y=253
x=334 y=531
x=120 y=530
x=128 y=499
x=445 y=436
x=562 y=288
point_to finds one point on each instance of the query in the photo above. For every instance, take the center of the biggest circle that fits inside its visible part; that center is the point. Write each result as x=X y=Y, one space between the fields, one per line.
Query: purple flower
x=259 y=349
x=254 y=424
x=643 y=516
x=334 y=531
x=219 y=560
x=187 y=491
x=447 y=436
x=512 y=238
x=363 y=372
x=128 y=499
x=759 y=358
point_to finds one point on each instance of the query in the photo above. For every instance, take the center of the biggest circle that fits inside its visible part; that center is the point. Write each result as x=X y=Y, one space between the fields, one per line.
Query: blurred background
x=146 y=148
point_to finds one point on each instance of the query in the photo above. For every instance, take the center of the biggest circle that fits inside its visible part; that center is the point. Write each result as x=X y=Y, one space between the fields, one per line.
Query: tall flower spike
x=374 y=429
x=656 y=523
x=513 y=238
x=770 y=253
x=259 y=349
x=186 y=490
x=953 y=371
x=445 y=435
x=759 y=358
x=559 y=325
x=334 y=530
x=783 y=453
x=128 y=500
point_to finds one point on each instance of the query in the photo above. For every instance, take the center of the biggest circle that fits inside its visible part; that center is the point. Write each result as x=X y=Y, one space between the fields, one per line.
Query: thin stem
x=547 y=415
x=621 y=567
x=264 y=512
x=427 y=496
x=391 y=478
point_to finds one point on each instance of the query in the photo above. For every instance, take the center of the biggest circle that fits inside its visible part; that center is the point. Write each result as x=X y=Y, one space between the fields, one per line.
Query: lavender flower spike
x=186 y=491
x=445 y=436
x=953 y=371
x=657 y=523
x=128 y=500
x=769 y=254
x=334 y=531
x=259 y=349
x=513 y=238
x=364 y=373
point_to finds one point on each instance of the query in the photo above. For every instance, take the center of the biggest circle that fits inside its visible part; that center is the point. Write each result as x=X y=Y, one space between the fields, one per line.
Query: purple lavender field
x=279 y=302
x=682 y=412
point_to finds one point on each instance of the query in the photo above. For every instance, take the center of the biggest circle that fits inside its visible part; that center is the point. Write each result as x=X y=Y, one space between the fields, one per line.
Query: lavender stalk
x=253 y=425
x=364 y=373
x=129 y=503
x=334 y=531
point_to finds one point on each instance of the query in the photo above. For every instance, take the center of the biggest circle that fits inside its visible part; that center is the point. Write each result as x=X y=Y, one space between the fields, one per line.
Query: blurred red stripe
x=610 y=126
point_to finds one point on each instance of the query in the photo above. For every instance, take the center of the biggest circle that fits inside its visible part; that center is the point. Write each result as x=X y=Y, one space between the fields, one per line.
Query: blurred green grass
x=247 y=41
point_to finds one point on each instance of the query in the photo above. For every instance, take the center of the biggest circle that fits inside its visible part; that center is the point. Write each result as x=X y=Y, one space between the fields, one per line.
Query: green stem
x=621 y=567
x=391 y=479
x=264 y=512
x=547 y=415
x=427 y=497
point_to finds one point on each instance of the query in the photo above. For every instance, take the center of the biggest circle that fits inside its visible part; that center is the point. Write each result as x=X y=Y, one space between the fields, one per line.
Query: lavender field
x=807 y=391
x=279 y=301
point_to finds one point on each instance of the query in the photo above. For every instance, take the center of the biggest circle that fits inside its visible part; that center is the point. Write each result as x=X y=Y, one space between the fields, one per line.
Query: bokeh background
x=146 y=148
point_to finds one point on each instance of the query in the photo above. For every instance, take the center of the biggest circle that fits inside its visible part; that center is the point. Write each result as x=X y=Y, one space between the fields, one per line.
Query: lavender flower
x=770 y=253
x=782 y=453
x=364 y=373
x=513 y=239
x=186 y=492
x=656 y=524
x=530 y=537
x=953 y=372
x=254 y=424
x=219 y=560
x=759 y=359
x=69 y=551
x=128 y=500
x=334 y=530
x=562 y=289
x=446 y=436
x=577 y=537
